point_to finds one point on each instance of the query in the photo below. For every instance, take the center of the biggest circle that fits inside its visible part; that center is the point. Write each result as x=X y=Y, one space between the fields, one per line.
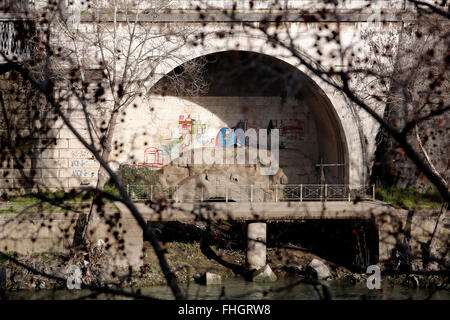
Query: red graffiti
x=185 y=125
x=153 y=157
x=292 y=129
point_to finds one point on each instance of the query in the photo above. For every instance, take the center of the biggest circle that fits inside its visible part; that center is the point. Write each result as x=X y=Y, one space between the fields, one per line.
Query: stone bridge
x=382 y=228
x=323 y=137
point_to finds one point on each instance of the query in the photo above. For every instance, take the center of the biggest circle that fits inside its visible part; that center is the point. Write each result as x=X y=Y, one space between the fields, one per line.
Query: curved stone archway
x=353 y=131
x=245 y=90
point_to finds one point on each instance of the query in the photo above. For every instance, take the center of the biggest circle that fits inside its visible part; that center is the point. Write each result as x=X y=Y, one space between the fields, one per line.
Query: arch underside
x=245 y=90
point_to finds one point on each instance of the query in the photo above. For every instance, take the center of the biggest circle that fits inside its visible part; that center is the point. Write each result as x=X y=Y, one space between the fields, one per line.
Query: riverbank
x=187 y=260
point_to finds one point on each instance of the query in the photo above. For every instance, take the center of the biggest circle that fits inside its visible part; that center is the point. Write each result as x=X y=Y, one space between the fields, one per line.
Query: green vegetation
x=10 y=254
x=188 y=248
x=152 y=267
x=9 y=210
x=111 y=189
x=47 y=202
x=410 y=198
x=51 y=202
x=137 y=175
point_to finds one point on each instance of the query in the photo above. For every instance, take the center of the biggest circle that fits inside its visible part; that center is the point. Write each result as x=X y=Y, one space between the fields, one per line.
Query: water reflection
x=240 y=289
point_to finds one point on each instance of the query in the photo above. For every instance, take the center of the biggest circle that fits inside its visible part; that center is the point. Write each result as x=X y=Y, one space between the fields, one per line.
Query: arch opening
x=244 y=90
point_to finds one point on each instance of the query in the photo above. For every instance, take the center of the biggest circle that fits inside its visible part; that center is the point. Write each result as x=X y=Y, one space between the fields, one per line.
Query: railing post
x=325 y=195
x=251 y=193
x=349 y=193
x=276 y=193
x=301 y=192
x=373 y=192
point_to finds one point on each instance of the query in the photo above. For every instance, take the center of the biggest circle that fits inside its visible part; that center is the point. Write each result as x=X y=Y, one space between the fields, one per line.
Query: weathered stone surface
x=256 y=248
x=264 y=275
x=208 y=278
x=318 y=269
x=36 y=233
x=212 y=278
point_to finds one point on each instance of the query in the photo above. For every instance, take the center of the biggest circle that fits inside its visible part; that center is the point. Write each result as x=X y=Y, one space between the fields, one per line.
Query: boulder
x=264 y=274
x=208 y=278
x=318 y=270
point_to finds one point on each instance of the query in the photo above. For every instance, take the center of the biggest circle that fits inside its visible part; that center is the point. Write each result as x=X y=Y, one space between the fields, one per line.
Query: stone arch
x=306 y=111
x=340 y=109
x=334 y=104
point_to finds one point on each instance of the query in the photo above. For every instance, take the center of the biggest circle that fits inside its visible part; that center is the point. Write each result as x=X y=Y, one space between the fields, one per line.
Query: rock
x=208 y=278
x=293 y=270
x=411 y=281
x=212 y=278
x=318 y=270
x=264 y=274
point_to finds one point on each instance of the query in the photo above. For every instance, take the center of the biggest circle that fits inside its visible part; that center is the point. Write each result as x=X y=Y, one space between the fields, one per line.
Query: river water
x=240 y=289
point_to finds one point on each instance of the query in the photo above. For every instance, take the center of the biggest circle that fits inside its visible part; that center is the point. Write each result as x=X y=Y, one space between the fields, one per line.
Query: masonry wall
x=64 y=163
x=208 y=122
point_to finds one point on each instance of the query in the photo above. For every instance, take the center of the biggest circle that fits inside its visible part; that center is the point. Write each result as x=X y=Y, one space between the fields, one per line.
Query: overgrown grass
x=137 y=175
x=51 y=202
x=410 y=198
x=11 y=254
x=11 y=209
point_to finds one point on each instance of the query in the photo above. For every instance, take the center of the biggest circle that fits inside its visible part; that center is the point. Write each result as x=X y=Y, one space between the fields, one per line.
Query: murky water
x=240 y=289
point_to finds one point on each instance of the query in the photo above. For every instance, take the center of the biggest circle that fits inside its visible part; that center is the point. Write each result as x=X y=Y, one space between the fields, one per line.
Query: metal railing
x=16 y=5
x=14 y=44
x=251 y=193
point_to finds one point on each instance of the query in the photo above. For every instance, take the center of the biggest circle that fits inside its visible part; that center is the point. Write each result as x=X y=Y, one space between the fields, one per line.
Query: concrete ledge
x=282 y=16
x=267 y=211
x=54 y=232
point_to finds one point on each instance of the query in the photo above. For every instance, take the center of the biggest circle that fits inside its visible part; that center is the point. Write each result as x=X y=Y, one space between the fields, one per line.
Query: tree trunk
x=434 y=254
x=86 y=224
x=103 y=175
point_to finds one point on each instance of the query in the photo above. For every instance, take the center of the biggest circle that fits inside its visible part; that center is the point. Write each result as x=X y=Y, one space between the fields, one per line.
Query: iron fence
x=251 y=193
x=10 y=5
x=15 y=41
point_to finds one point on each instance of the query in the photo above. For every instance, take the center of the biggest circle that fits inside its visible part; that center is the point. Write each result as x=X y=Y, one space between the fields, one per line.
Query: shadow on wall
x=349 y=243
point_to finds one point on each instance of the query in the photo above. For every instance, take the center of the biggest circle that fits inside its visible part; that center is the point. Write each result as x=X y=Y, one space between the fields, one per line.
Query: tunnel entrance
x=243 y=90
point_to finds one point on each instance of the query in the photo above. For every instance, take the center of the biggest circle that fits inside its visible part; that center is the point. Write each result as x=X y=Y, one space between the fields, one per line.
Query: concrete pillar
x=256 y=245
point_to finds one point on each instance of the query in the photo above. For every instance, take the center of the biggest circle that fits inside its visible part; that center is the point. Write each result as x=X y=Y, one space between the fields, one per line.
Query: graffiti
x=80 y=173
x=83 y=163
x=246 y=124
x=153 y=157
x=81 y=154
x=291 y=129
x=226 y=137
x=190 y=126
x=185 y=125
x=191 y=133
x=82 y=167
